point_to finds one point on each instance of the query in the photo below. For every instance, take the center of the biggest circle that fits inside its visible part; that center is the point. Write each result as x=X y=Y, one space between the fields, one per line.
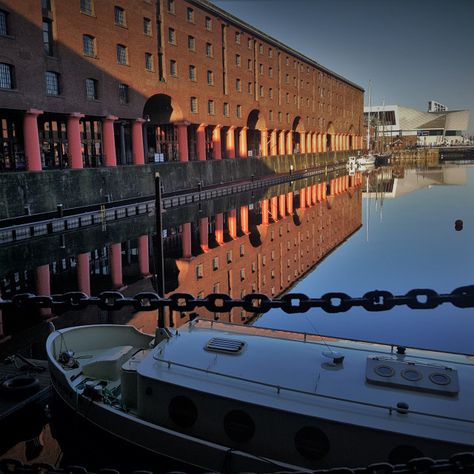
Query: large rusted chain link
x=335 y=302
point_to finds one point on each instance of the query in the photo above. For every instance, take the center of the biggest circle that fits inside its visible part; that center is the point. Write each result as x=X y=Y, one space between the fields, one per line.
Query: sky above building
x=412 y=51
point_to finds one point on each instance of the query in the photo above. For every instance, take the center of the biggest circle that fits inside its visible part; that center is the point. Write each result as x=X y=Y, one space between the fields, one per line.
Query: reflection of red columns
x=143 y=256
x=116 y=265
x=302 y=198
x=332 y=187
x=289 y=143
x=109 y=140
x=264 y=207
x=31 y=140
x=43 y=286
x=281 y=143
x=289 y=202
x=314 y=193
x=319 y=192
x=308 y=196
x=216 y=142
x=230 y=142
x=302 y=142
x=201 y=142
x=274 y=208
x=232 y=223
x=83 y=273
x=186 y=240
x=325 y=189
x=183 y=141
x=74 y=140
x=244 y=219
x=137 y=142
x=219 y=232
x=243 y=143
x=282 y=205
x=273 y=143
x=264 y=141
x=203 y=233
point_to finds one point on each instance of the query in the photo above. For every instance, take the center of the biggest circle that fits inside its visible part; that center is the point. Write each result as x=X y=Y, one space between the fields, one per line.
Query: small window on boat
x=312 y=443
x=183 y=411
x=239 y=426
x=384 y=371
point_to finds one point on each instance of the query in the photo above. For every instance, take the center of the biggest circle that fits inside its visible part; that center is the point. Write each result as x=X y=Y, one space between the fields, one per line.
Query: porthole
x=239 y=426
x=312 y=443
x=183 y=411
x=403 y=453
x=384 y=371
x=440 y=379
x=411 y=374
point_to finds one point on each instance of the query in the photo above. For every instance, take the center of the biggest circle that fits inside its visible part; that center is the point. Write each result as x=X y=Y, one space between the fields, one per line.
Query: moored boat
x=254 y=399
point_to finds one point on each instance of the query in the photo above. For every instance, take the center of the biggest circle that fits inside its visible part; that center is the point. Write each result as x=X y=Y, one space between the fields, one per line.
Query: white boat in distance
x=259 y=400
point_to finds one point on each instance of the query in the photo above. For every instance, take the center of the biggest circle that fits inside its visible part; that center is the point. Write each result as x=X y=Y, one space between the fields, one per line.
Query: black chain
x=377 y=300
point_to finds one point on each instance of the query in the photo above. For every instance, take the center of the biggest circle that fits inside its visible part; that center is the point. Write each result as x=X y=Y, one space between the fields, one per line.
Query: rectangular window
x=287 y=79
x=191 y=43
x=237 y=37
x=210 y=78
x=192 y=72
x=123 y=93
x=208 y=23
x=237 y=60
x=270 y=71
x=249 y=43
x=238 y=85
x=249 y=64
x=242 y=274
x=52 y=83
x=171 y=35
x=148 y=61
x=91 y=89
x=261 y=69
x=210 y=107
x=209 y=52
x=261 y=91
x=48 y=37
x=239 y=111
x=190 y=15
x=270 y=93
x=3 y=23
x=249 y=88
x=87 y=7
x=147 y=26
x=173 y=68
x=226 y=109
x=215 y=263
x=88 y=45
x=119 y=15
x=122 y=56
x=170 y=6
x=260 y=48
x=46 y=5
x=270 y=115
x=270 y=52
x=242 y=250
x=229 y=256
x=6 y=76
x=194 y=105
x=199 y=271
x=279 y=117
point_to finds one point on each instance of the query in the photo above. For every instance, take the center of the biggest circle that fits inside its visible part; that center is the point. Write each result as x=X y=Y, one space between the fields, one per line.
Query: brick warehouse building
x=88 y=83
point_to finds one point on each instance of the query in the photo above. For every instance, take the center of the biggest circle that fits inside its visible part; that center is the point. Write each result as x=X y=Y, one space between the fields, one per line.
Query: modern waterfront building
x=90 y=83
x=397 y=125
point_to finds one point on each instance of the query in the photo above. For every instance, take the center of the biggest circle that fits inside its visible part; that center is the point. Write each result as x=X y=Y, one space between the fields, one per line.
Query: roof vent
x=226 y=346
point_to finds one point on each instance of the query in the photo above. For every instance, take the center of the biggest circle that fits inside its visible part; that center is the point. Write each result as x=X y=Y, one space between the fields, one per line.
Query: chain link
x=335 y=302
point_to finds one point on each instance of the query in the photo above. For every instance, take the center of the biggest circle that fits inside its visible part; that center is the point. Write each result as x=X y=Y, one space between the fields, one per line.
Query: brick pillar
x=309 y=143
x=289 y=202
x=243 y=150
x=264 y=141
x=183 y=141
x=274 y=208
x=83 y=273
x=219 y=230
x=216 y=142
x=281 y=143
x=302 y=142
x=201 y=142
x=186 y=240
x=314 y=142
x=264 y=208
x=282 y=205
x=273 y=143
x=230 y=142
x=74 y=140
x=116 y=265
x=143 y=256
x=232 y=223
x=31 y=140
x=244 y=219
x=289 y=143
x=203 y=233
x=137 y=142
x=109 y=141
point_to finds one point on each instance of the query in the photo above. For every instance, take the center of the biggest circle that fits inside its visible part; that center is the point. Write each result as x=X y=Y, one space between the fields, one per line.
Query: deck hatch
x=226 y=346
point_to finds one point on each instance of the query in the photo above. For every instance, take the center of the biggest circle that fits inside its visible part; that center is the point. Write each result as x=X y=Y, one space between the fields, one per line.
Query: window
x=237 y=37
x=91 y=89
x=171 y=36
x=173 y=68
x=48 y=37
x=270 y=93
x=52 y=83
x=242 y=250
x=3 y=23
x=123 y=93
x=287 y=98
x=270 y=72
x=208 y=23
x=270 y=115
x=88 y=45
x=209 y=52
x=249 y=43
x=242 y=274
x=270 y=52
x=239 y=111
x=170 y=6
x=210 y=78
x=190 y=15
x=261 y=91
x=229 y=256
x=287 y=79
x=210 y=107
x=226 y=109
x=260 y=48
x=119 y=15
x=191 y=43
x=194 y=105
x=287 y=61
x=148 y=61
x=279 y=117
x=6 y=76
x=192 y=72
x=122 y=56
x=249 y=64
x=87 y=7
x=238 y=85
x=199 y=271
x=215 y=263
x=261 y=69
x=147 y=26
x=237 y=60
x=46 y=5
x=249 y=88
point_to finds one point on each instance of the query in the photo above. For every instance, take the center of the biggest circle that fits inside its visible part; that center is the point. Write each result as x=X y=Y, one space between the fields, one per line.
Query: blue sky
x=411 y=50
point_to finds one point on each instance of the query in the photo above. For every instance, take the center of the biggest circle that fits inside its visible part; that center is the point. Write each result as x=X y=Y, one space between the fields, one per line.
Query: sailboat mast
x=368 y=117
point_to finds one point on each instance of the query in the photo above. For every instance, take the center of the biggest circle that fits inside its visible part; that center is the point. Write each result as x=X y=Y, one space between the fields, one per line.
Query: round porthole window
x=440 y=379
x=239 y=426
x=384 y=371
x=312 y=443
x=183 y=411
x=411 y=374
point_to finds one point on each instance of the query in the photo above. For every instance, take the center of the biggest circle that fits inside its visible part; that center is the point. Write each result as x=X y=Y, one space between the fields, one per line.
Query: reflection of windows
x=123 y=93
x=242 y=250
x=52 y=83
x=199 y=271
x=91 y=89
x=229 y=256
x=215 y=263
x=6 y=76
x=88 y=45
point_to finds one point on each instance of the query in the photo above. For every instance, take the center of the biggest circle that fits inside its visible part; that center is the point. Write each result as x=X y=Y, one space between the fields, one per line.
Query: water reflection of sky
x=405 y=242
